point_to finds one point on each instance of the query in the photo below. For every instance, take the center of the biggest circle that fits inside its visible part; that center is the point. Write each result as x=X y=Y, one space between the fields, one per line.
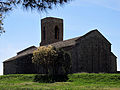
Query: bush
x=55 y=61
x=50 y=78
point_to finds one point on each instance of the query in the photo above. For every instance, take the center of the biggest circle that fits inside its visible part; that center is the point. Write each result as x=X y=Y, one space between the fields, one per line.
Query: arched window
x=56 y=32
x=43 y=33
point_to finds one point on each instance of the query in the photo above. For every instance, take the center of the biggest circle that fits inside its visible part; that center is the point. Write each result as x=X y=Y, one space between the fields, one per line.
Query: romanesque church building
x=90 y=53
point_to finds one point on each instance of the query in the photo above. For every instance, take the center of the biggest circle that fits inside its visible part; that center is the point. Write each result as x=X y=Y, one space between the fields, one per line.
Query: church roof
x=22 y=53
x=65 y=43
x=60 y=44
x=73 y=41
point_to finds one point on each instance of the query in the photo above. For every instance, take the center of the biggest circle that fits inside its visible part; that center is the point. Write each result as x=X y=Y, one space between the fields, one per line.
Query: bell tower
x=51 y=30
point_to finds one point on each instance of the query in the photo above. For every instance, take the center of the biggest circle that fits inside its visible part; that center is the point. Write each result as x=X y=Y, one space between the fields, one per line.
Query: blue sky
x=80 y=16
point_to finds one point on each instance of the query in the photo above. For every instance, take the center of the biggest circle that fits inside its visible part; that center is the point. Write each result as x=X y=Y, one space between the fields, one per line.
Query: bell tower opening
x=43 y=33
x=51 y=30
x=56 y=32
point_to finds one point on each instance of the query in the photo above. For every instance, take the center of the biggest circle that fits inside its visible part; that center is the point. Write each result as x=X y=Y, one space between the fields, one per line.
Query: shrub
x=55 y=61
x=41 y=78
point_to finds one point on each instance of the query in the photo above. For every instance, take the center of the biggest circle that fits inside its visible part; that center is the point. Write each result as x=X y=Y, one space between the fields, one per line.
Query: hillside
x=78 y=81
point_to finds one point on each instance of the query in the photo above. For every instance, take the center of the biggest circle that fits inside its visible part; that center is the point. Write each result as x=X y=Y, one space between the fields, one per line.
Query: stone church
x=90 y=53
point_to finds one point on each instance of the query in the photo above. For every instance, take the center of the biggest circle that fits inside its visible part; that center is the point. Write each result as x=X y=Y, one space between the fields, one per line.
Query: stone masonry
x=90 y=52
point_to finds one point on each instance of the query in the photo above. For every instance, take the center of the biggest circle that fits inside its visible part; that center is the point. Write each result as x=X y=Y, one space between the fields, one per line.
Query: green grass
x=78 y=81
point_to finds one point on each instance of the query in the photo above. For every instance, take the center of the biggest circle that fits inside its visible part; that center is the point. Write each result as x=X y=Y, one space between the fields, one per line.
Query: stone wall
x=9 y=67
x=113 y=63
x=21 y=65
x=92 y=54
x=24 y=65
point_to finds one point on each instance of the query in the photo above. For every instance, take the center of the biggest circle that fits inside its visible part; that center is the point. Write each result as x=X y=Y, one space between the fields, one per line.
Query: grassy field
x=78 y=81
